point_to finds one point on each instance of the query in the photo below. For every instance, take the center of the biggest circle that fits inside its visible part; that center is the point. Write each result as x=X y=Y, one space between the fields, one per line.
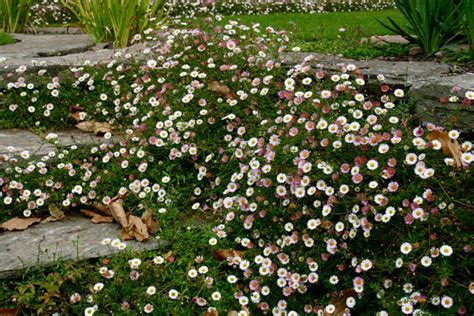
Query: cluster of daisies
x=187 y=8
x=327 y=196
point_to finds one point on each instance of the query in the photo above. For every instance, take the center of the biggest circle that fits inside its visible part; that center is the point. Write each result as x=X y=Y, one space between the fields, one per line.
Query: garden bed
x=282 y=183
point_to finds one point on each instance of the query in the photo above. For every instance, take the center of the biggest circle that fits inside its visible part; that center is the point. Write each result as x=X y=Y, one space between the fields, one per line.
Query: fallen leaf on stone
x=340 y=302
x=102 y=209
x=150 y=221
x=17 y=223
x=450 y=146
x=218 y=87
x=95 y=127
x=224 y=254
x=118 y=213
x=97 y=218
x=136 y=229
x=56 y=214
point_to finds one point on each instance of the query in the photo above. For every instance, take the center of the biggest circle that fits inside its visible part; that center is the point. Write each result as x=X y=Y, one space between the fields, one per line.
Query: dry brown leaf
x=96 y=127
x=8 y=311
x=136 y=229
x=232 y=313
x=118 y=213
x=218 y=87
x=97 y=218
x=211 y=312
x=150 y=221
x=340 y=302
x=76 y=116
x=224 y=254
x=450 y=146
x=17 y=223
x=75 y=108
x=56 y=214
x=102 y=209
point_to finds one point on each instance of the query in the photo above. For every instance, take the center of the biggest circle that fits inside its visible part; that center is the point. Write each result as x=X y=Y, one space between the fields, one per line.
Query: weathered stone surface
x=96 y=54
x=74 y=238
x=395 y=72
x=15 y=141
x=57 y=30
x=388 y=39
x=427 y=93
x=34 y=46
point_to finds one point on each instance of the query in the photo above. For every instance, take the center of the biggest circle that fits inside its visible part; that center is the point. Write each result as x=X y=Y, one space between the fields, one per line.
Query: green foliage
x=469 y=11
x=432 y=24
x=15 y=15
x=116 y=21
x=6 y=39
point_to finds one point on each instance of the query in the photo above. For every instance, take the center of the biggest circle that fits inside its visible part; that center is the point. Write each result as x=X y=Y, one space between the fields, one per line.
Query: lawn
x=6 y=39
x=335 y=33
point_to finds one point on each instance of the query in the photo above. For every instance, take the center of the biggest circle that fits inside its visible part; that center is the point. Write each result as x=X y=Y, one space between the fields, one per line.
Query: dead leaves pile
x=132 y=227
x=450 y=146
x=95 y=127
x=88 y=126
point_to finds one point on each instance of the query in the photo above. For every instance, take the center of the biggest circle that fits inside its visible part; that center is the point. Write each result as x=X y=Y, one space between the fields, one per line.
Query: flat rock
x=58 y=30
x=427 y=93
x=388 y=39
x=95 y=54
x=14 y=141
x=34 y=46
x=74 y=238
x=395 y=72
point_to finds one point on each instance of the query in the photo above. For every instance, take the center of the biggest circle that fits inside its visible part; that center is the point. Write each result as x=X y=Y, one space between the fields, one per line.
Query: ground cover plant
x=6 y=39
x=316 y=191
x=50 y=13
x=186 y=8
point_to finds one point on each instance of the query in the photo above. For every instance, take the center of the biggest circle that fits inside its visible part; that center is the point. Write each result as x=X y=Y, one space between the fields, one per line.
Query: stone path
x=74 y=238
x=34 y=46
x=15 y=141
x=395 y=72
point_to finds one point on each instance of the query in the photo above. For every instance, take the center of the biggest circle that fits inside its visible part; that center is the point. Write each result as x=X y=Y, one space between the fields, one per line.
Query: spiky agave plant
x=431 y=24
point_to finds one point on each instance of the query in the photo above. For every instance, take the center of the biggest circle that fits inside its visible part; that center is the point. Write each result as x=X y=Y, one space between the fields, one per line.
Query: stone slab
x=395 y=72
x=427 y=93
x=74 y=238
x=15 y=140
x=34 y=46
x=57 y=30
x=96 y=54
x=387 y=39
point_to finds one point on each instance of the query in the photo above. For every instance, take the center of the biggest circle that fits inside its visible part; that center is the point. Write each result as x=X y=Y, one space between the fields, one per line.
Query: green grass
x=321 y=32
x=6 y=39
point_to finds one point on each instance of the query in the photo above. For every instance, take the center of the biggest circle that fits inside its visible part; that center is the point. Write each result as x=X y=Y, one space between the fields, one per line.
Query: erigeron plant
x=328 y=196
